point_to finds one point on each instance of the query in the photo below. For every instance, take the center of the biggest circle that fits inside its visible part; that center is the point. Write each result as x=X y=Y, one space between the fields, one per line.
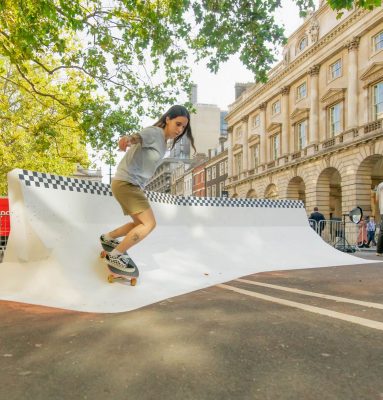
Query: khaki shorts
x=131 y=198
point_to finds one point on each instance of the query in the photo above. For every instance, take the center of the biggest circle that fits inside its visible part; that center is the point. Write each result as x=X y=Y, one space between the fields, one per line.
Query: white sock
x=115 y=252
x=108 y=237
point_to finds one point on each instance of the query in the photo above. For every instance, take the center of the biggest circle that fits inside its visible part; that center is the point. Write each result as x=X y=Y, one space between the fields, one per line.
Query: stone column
x=230 y=153
x=245 y=145
x=314 y=105
x=262 y=136
x=352 y=83
x=285 y=121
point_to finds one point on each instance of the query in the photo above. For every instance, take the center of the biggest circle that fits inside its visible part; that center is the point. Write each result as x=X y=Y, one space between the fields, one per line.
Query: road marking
x=313 y=294
x=317 y=310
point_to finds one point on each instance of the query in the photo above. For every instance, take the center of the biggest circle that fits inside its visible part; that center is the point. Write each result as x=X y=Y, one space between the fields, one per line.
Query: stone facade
x=314 y=131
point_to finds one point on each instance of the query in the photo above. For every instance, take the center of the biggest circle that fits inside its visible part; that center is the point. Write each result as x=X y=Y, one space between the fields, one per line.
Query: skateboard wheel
x=110 y=278
x=103 y=254
x=133 y=282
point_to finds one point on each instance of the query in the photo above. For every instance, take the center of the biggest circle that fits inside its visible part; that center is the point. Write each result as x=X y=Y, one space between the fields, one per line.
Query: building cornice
x=373 y=73
x=273 y=127
x=332 y=96
x=325 y=153
x=299 y=114
x=293 y=66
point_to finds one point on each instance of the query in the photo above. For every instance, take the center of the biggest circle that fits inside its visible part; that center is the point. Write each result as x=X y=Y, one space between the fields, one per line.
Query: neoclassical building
x=314 y=130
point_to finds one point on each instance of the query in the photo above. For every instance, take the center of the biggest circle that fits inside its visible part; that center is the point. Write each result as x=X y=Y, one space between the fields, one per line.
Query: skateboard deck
x=116 y=274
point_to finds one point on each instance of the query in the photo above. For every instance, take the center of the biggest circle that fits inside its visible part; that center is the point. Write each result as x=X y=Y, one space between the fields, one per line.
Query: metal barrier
x=4 y=232
x=343 y=236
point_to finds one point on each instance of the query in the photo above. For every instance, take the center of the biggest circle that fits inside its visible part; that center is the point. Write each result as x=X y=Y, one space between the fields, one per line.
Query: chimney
x=240 y=88
x=222 y=140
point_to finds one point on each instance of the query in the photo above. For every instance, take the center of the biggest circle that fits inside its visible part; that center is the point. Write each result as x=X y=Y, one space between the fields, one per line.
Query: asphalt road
x=237 y=341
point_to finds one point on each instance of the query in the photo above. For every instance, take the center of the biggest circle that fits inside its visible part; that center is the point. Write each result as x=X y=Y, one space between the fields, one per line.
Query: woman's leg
x=122 y=230
x=143 y=222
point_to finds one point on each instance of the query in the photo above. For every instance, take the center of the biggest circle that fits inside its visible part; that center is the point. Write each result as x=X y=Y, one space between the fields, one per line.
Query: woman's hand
x=124 y=143
x=127 y=141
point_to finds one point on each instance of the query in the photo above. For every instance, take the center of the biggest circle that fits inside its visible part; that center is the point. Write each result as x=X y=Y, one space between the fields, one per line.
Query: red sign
x=5 y=223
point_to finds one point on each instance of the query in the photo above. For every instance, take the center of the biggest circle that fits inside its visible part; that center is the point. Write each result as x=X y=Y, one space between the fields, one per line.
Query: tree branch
x=53 y=97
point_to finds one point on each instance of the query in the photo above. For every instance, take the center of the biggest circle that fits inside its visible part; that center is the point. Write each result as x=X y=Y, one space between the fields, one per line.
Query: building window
x=301 y=91
x=335 y=119
x=221 y=188
x=208 y=174
x=238 y=163
x=208 y=191
x=221 y=168
x=378 y=41
x=256 y=121
x=378 y=100
x=302 y=44
x=255 y=155
x=214 y=172
x=301 y=132
x=275 y=147
x=276 y=108
x=336 y=69
x=214 y=191
x=226 y=166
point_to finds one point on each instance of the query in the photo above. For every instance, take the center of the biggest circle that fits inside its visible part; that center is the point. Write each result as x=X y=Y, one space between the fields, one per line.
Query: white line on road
x=317 y=310
x=313 y=294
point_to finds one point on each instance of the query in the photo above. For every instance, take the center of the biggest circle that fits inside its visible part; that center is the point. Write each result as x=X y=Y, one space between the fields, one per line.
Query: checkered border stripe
x=49 y=181
x=222 y=201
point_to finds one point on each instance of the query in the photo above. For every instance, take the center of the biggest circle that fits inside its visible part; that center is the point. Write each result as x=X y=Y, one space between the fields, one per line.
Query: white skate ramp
x=52 y=257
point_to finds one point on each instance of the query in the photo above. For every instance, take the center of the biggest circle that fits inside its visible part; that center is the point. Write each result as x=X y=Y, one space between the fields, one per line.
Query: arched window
x=302 y=44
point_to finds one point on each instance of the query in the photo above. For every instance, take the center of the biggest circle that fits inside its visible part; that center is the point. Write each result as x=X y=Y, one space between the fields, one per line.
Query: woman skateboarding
x=146 y=151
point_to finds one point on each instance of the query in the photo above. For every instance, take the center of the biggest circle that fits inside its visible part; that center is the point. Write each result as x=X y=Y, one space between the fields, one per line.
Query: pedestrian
x=371 y=229
x=318 y=217
x=379 y=197
x=146 y=150
x=362 y=234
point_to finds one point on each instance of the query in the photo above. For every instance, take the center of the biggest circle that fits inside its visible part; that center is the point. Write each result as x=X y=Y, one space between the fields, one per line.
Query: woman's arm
x=127 y=141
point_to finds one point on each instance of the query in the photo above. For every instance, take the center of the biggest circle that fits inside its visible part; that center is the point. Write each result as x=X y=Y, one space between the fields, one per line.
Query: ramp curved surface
x=52 y=257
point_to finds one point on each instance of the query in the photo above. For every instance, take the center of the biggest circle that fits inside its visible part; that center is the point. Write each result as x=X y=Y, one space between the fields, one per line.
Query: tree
x=132 y=57
x=340 y=5
x=37 y=132
x=136 y=52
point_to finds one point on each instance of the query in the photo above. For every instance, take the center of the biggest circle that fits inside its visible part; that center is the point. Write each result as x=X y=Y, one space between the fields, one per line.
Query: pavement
x=315 y=334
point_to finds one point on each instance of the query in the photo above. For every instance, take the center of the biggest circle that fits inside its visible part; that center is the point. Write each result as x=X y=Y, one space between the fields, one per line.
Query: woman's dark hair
x=174 y=112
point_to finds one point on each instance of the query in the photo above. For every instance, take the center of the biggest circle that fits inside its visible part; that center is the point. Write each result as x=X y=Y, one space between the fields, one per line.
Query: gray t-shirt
x=141 y=160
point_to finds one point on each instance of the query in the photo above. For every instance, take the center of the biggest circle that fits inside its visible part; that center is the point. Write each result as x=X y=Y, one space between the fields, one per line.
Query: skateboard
x=116 y=274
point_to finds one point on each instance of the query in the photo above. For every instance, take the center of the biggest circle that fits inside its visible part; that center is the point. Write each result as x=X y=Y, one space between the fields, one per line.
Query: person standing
x=318 y=217
x=379 y=197
x=371 y=228
x=362 y=234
